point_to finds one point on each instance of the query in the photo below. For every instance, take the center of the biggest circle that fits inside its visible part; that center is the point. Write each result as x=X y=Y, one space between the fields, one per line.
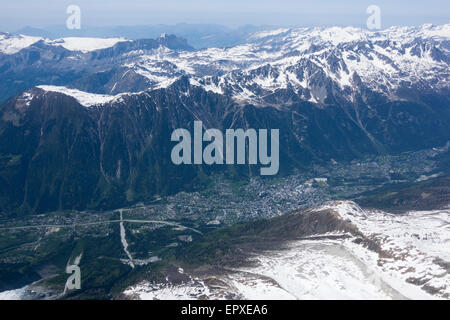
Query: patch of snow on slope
x=264 y=34
x=86 y=44
x=84 y=98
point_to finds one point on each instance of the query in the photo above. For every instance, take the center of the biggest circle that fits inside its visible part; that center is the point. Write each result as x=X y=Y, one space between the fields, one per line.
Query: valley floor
x=383 y=256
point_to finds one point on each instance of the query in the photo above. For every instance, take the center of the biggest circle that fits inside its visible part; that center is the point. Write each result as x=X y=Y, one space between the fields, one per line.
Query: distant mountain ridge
x=93 y=65
x=198 y=35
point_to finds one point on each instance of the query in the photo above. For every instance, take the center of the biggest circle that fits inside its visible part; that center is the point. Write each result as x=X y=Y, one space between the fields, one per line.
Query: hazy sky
x=15 y=14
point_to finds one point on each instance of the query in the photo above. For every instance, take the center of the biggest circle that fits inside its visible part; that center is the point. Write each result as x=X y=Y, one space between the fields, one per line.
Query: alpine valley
x=359 y=208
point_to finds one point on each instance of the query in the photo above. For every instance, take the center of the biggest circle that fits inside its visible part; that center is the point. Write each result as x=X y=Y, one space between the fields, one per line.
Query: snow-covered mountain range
x=315 y=64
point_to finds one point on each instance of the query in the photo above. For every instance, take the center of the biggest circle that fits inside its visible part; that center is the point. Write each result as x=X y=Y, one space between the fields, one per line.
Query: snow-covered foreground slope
x=415 y=247
x=16 y=294
x=410 y=263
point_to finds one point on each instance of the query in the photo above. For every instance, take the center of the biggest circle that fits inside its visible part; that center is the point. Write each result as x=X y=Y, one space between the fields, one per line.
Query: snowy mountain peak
x=10 y=44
